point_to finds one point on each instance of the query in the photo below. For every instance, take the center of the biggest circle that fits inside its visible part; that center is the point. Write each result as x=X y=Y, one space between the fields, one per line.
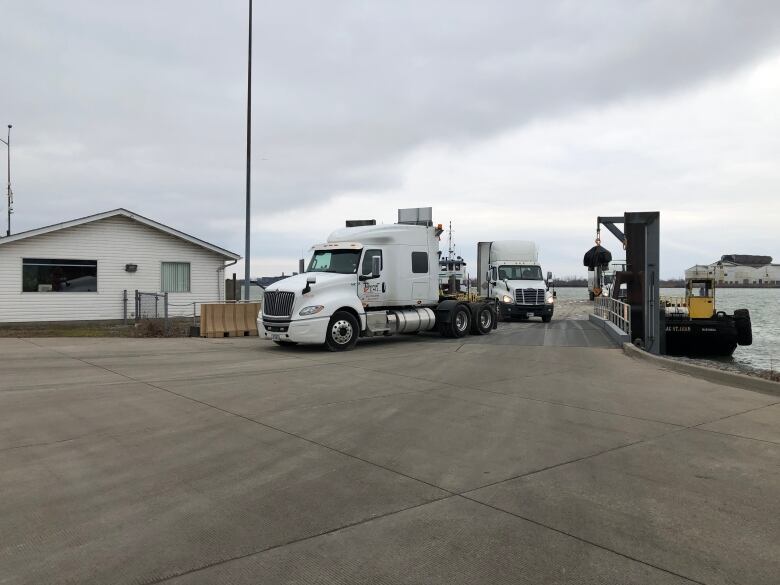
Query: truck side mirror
x=310 y=280
x=376 y=266
x=549 y=277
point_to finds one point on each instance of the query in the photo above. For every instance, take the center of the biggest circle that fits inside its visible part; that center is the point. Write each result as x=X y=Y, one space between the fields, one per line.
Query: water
x=764 y=307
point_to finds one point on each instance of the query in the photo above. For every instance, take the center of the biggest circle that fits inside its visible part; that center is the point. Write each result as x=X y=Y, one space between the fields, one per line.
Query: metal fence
x=150 y=305
x=614 y=311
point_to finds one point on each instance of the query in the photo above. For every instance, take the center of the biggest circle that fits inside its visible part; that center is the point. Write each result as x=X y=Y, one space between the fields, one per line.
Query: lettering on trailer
x=680 y=328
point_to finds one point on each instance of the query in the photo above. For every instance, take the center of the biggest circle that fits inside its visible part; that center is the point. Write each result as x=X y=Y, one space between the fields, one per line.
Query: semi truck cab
x=369 y=280
x=514 y=278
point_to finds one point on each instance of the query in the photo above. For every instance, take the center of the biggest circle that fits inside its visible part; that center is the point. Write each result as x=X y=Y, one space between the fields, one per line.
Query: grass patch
x=148 y=328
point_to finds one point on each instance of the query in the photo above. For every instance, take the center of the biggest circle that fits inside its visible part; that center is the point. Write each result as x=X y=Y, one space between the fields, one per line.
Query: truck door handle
x=383 y=287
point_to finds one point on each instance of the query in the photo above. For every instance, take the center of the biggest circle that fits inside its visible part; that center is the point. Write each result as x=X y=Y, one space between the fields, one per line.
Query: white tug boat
x=453 y=279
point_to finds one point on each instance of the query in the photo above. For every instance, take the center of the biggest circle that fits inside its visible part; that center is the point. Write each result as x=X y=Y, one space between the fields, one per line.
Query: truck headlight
x=506 y=299
x=310 y=310
x=549 y=300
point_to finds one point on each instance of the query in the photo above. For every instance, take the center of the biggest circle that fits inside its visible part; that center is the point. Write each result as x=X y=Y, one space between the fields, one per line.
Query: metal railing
x=615 y=311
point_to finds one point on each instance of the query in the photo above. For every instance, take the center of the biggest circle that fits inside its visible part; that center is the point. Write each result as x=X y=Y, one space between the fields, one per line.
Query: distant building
x=739 y=270
x=255 y=290
x=80 y=269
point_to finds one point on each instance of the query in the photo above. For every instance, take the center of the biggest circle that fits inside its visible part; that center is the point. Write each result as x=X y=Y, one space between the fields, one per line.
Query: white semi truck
x=370 y=280
x=510 y=273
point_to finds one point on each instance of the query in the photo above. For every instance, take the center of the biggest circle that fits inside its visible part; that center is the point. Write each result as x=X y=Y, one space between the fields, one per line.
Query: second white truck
x=509 y=272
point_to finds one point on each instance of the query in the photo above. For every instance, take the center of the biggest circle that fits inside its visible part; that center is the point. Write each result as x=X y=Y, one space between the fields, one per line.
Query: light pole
x=248 y=156
x=9 y=193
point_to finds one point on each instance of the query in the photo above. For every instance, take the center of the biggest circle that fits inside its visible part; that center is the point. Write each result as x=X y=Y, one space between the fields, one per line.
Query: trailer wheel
x=483 y=320
x=342 y=331
x=744 y=328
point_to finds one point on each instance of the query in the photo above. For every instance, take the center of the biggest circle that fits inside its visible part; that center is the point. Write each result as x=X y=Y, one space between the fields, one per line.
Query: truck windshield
x=520 y=273
x=339 y=261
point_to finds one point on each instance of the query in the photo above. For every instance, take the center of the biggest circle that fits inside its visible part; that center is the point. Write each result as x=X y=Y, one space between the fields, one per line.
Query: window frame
x=189 y=276
x=63 y=262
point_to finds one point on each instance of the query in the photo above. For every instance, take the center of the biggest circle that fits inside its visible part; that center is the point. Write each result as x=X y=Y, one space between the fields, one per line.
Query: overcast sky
x=512 y=119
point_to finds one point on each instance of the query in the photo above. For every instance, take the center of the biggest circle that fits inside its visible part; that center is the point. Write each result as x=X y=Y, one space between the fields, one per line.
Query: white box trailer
x=509 y=273
x=369 y=280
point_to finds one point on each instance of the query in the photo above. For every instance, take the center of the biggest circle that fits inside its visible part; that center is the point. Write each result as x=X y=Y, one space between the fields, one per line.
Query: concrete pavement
x=538 y=454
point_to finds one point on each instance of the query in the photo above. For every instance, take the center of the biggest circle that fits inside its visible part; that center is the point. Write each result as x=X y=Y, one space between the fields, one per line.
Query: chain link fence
x=152 y=306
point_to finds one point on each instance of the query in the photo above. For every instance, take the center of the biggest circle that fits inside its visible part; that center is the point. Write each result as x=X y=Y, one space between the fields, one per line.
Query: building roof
x=121 y=212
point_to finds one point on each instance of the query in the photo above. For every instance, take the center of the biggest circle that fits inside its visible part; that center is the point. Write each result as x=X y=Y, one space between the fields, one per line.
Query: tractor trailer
x=509 y=273
x=370 y=280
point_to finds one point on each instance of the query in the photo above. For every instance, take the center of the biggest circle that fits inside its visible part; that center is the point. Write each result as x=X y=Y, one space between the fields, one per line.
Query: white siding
x=113 y=242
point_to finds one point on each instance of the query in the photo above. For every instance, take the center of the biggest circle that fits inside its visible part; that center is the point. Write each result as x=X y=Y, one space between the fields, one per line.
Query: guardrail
x=614 y=311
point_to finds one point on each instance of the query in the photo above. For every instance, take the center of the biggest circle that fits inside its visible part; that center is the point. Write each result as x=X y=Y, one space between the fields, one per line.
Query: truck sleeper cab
x=369 y=280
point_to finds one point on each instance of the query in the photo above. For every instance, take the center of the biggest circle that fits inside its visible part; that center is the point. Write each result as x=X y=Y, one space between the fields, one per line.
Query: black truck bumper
x=524 y=311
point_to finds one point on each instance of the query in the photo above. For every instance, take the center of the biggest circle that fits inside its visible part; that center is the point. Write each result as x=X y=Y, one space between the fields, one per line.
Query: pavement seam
x=293 y=541
x=584 y=540
x=737 y=436
x=735 y=414
x=568 y=462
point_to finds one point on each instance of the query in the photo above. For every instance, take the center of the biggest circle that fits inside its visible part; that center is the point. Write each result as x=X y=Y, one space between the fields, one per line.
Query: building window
x=420 y=262
x=57 y=275
x=175 y=277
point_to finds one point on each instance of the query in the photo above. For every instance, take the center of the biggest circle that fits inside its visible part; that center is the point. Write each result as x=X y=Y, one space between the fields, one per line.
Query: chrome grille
x=529 y=296
x=278 y=303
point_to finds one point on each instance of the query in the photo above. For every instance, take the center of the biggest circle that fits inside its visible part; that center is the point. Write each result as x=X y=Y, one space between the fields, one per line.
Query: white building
x=739 y=270
x=80 y=269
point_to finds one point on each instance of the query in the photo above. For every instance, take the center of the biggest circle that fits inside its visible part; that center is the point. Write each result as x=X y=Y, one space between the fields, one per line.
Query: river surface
x=764 y=307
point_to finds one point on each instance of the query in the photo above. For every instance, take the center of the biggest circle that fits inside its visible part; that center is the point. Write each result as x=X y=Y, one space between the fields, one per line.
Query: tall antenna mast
x=449 y=239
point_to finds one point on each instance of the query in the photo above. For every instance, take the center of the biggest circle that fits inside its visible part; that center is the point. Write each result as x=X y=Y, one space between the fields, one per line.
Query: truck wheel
x=285 y=343
x=483 y=321
x=591 y=296
x=744 y=328
x=342 y=333
x=546 y=318
x=460 y=322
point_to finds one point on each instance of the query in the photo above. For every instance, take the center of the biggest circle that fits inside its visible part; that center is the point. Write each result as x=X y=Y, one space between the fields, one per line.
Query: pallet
x=218 y=334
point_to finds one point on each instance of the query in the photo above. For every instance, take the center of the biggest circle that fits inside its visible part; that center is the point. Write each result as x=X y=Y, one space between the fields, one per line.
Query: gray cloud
x=142 y=105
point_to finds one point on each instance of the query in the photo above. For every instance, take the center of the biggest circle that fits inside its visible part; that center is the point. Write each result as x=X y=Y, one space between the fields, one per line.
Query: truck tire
x=591 y=296
x=546 y=318
x=343 y=331
x=458 y=324
x=285 y=343
x=482 y=321
x=744 y=328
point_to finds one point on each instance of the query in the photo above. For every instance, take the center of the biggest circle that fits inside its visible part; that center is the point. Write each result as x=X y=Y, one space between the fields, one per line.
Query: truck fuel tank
x=400 y=321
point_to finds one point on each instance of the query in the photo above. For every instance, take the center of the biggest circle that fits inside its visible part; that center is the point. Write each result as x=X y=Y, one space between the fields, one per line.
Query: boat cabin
x=700 y=297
